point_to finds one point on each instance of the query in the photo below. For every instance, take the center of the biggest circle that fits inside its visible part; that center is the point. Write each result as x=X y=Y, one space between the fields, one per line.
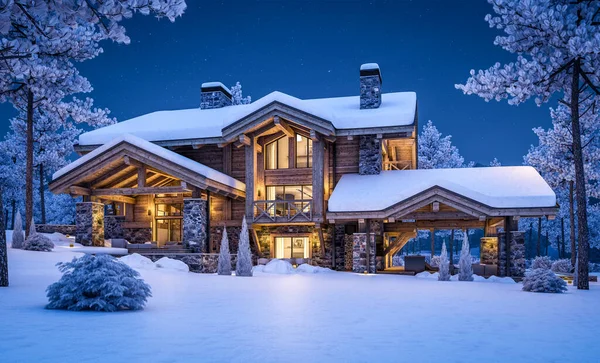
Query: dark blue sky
x=314 y=49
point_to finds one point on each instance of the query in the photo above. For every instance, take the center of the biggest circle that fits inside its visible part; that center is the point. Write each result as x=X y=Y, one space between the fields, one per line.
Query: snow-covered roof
x=215 y=84
x=496 y=187
x=397 y=109
x=369 y=66
x=159 y=151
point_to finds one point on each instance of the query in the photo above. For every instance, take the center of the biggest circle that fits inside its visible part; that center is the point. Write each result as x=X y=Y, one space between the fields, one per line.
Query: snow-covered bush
x=435 y=261
x=465 y=272
x=594 y=267
x=18 y=238
x=398 y=260
x=172 y=264
x=541 y=262
x=224 y=267
x=543 y=280
x=100 y=283
x=280 y=267
x=37 y=241
x=444 y=274
x=562 y=266
x=243 y=265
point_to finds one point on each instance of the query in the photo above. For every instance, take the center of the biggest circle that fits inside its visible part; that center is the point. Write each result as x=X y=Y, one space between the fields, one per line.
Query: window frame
x=277 y=147
x=308 y=151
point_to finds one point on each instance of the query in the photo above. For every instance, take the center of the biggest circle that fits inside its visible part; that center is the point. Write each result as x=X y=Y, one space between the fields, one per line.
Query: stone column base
x=195 y=236
x=89 y=221
x=359 y=253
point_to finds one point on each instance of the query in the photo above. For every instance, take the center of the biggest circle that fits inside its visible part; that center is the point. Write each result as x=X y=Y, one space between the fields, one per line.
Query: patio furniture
x=414 y=263
x=119 y=243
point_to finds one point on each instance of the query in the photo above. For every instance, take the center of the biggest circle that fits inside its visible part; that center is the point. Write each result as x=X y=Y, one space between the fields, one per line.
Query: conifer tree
x=18 y=237
x=224 y=267
x=465 y=272
x=444 y=273
x=243 y=265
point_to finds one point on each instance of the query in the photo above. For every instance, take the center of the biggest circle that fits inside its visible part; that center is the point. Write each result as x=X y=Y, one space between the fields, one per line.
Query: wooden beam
x=283 y=126
x=197 y=146
x=321 y=239
x=244 y=140
x=119 y=198
x=141 y=176
x=75 y=190
x=318 y=178
x=256 y=241
x=141 y=191
x=314 y=136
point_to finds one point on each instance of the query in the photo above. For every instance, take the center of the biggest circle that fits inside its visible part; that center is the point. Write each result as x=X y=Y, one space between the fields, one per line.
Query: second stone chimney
x=214 y=95
x=370 y=86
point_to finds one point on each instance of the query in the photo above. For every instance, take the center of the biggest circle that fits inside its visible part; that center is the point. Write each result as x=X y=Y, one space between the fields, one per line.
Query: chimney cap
x=370 y=69
x=214 y=87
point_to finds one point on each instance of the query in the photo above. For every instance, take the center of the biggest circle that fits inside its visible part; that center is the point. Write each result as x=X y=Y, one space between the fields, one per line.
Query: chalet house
x=332 y=181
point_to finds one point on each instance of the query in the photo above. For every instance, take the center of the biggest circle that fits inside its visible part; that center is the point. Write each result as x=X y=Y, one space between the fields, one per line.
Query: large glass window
x=292 y=247
x=277 y=154
x=299 y=196
x=168 y=230
x=169 y=210
x=303 y=152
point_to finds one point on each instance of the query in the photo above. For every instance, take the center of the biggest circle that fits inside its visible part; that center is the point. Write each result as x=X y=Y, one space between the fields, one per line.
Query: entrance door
x=292 y=247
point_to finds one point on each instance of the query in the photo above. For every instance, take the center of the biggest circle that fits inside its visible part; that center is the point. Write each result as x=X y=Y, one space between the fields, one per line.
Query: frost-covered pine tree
x=243 y=266
x=18 y=238
x=465 y=272
x=236 y=95
x=224 y=267
x=495 y=162
x=37 y=241
x=100 y=283
x=437 y=152
x=556 y=45
x=444 y=269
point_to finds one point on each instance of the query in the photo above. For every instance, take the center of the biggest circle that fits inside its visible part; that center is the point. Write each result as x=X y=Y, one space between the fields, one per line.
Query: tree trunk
x=530 y=237
x=580 y=193
x=3 y=251
x=42 y=198
x=539 y=240
x=547 y=242
x=451 y=249
x=572 y=222
x=13 y=205
x=29 y=166
x=562 y=231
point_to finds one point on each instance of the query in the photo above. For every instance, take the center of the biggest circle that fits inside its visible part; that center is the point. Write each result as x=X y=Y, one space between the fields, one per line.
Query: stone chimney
x=370 y=86
x=214 y=95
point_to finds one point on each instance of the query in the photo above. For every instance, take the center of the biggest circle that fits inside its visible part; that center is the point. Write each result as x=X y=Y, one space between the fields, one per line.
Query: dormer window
x=277 y=154
x=303 y=152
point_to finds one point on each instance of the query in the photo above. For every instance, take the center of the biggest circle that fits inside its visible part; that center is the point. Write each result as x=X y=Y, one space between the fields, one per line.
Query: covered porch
x=389 y=209
x=135 y=190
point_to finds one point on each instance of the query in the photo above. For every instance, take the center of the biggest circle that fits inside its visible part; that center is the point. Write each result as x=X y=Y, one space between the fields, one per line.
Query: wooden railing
x=298 y=210
x=396 y=165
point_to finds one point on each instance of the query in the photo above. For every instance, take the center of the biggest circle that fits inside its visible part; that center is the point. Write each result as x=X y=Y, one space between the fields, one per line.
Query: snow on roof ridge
x=158 y=151
x=369 y=66
x=497 y=187
x=215 y=84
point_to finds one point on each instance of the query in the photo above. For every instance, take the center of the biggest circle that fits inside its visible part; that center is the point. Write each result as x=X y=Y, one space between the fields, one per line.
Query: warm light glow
x=71 y=245
x=298 y=137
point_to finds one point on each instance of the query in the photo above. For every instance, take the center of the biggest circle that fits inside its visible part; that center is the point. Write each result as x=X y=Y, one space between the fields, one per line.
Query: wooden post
x=317 y=179
x=368 y=244
x=562 y=228
x=250 y=161
x=508 y=227
x=539 y=239
x=432 y=232
x=141 y=178
x=547 y=241
x=208 y=241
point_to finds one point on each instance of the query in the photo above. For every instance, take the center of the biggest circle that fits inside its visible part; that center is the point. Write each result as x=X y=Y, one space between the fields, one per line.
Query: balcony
x=280 y=211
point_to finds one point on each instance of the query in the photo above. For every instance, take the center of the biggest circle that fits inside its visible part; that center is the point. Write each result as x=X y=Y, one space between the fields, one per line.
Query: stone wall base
x=197 y=262
x=359 y=253
x=66 y=229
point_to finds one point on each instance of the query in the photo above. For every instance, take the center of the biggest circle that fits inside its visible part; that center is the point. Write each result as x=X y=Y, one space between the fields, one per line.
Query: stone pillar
x=89 y=221
x=517 y=253
x=359 y=253
x=489 y=250
x=369 y=155
x=194 y=224
x=112 y=226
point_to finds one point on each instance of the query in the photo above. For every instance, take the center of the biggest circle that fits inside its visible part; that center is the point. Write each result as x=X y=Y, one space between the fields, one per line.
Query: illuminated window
x=292 y=247
x=277 y=154
x=299 y=196
x=303 y=152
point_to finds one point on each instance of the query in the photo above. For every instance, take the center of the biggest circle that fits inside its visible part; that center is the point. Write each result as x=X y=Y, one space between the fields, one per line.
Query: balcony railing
x=397 y=165
x=298 y=210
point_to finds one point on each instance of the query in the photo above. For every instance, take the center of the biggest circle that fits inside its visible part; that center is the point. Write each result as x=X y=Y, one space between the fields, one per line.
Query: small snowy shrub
x=100 y=283
x=18 y=238
x=397 y=260
x=224 y=267
x=37 y=241
x=444 y=274
x=465 y=272
x=435 y=261
x=594 y=267
x=543 y=280
x=542 y=262
x=243 y=266
x=562 y=266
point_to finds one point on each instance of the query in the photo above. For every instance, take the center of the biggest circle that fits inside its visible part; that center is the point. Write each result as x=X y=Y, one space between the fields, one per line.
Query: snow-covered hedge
x=99 y=283
x=38 y=242
x=562 y=266
x=543 y=280
x=542 y=262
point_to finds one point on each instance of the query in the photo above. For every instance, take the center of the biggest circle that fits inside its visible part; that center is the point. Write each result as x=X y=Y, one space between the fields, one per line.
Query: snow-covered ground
x=305 y=317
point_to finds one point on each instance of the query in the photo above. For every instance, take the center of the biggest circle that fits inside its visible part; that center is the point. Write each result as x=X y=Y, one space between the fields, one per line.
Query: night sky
x=313 y=50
